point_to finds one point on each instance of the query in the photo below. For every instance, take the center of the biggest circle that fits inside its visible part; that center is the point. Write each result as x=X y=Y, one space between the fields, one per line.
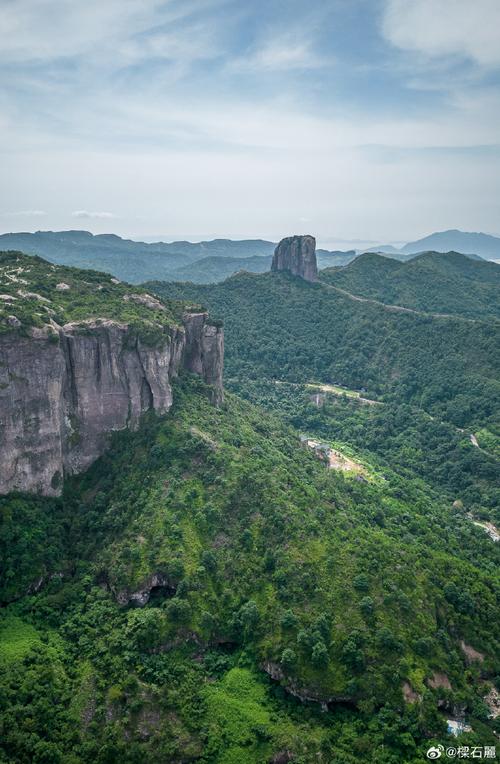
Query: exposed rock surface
x=492 y=700
x=439 y=680
x=142 y=595
x=65 y=388
x=145 y=299
x=204 y=348
x=409 y=694
x=471 y=654
x=304 y=694
x=297 y=254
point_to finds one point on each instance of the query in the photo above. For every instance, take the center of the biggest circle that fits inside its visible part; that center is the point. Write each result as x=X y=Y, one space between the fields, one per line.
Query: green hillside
x=280 y=327
x=210 y=591
x=434 y=282
x=442 y=459
x=35 y=293
x=212 y=269
x=133 y=261
x=345 y=592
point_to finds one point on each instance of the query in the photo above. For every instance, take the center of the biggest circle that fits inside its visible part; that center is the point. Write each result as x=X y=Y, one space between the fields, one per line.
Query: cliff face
x=297 y=254
x=63 y=390
x=204 y=351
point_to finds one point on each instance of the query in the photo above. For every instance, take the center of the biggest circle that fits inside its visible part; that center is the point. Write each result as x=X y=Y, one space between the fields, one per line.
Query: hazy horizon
x=331 y=243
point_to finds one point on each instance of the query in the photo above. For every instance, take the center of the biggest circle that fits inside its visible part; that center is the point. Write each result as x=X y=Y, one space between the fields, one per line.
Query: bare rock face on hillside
x=297 y=254
x=64 y=389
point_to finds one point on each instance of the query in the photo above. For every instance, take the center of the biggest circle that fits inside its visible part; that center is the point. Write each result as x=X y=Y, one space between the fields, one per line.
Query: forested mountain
x=280 y=327
x=267 y=584
x=209 y=270
x=249 y=489
x=436 y=376
x=212 y=269
x=129 y=260
x=206 y=589
x=433 y=282
x=134 y=261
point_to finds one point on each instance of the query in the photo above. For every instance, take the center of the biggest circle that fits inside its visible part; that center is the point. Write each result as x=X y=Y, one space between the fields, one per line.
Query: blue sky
x=375 y=120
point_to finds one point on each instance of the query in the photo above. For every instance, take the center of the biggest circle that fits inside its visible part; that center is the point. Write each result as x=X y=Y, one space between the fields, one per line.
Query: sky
x=354 y=120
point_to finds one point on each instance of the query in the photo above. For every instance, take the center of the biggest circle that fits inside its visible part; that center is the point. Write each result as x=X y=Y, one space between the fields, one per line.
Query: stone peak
x=297 y=254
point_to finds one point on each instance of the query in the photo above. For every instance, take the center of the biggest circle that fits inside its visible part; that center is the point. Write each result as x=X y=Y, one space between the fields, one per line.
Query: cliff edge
x=65 y=387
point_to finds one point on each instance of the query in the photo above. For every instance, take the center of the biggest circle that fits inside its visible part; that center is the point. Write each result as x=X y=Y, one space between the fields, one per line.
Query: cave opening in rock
x=159 y=594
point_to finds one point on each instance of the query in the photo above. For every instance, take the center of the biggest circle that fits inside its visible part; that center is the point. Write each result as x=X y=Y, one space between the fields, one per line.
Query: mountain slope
x=433 y=282
x=135 y=261
x=129 y=260
x=264 y=579
x=278 y=327
x=212 y=269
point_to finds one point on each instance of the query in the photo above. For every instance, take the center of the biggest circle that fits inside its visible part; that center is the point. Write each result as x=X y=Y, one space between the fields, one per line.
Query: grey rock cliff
x=297 y=254
x=204 y=348
x=63 y=390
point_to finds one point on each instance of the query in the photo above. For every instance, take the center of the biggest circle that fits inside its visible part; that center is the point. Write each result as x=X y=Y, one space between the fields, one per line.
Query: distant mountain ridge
x=129 y=260
x=136 y=261
x=208 y=261
x=465 y=242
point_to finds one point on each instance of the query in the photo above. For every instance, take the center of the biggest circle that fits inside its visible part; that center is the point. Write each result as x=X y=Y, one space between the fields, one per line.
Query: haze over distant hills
x=482 y=244
x=136 y=261
x=129 y=260
x=209 y=261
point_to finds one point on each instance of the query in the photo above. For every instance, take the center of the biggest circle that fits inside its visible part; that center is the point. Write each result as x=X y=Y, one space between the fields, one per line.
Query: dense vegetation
x=433 y=282
x=212 y=269
x=215 y=268
x=288 y=612
x=35 y=293
x=345 y=591
x=136 y=261
x=280 y=327
x=434 y=455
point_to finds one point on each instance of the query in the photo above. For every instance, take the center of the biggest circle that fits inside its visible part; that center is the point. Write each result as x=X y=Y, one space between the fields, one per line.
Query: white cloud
x=118 y=31
x=86 y=215
x=438 y=28
x=76 y=27
x=282 y=54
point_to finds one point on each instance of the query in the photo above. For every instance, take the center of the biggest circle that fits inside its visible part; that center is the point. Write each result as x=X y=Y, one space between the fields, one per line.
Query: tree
x=288 y=659
x=319 y=655
x=178 y=610
x=289 y=620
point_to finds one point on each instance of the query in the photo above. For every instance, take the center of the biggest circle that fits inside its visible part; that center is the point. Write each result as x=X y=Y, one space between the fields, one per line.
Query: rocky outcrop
x=297 y=254
x=63 y=389
x=304 y=694
x=204 y=349
x=471 y=655
x=140 y=597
